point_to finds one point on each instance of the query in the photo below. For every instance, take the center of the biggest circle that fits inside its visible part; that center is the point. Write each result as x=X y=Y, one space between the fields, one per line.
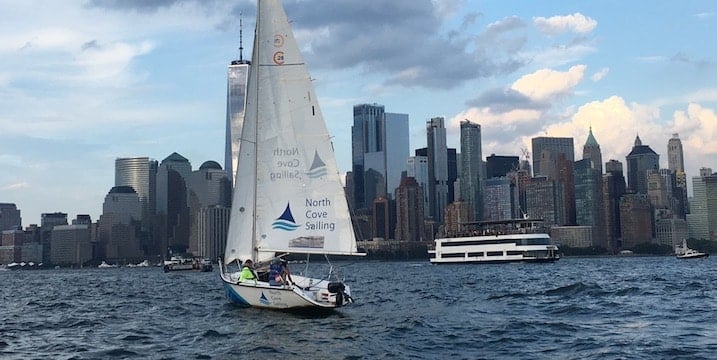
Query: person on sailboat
x=247 y=273
x=279 y=272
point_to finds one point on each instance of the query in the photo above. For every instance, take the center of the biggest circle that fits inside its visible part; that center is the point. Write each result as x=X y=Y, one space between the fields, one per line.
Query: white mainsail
x=288 y=196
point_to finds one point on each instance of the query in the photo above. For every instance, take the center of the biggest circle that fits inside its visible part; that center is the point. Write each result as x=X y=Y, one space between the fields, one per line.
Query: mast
x=255 y=71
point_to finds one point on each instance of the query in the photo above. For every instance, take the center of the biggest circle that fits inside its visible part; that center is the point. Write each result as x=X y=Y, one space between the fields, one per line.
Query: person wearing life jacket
x=247 y=273
x=279 y=272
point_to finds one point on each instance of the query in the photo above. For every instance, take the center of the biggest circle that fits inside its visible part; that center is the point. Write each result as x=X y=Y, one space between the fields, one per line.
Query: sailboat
x=288 y=198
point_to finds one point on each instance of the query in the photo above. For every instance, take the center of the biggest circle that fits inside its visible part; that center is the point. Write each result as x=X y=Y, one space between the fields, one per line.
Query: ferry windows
x=513 y=253
x=495 y=253
x=476 y=254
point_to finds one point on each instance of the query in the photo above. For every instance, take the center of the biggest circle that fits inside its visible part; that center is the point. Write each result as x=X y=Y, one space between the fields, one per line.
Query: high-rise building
x=409 y=211
x=702 y=218
x=591 y=150
x=635 y=219
x=500 y=199
x=544 y=200
x=141 y=174
x=172 y=220
x=437 y=168
x=70 y=245
x=675 y=156
x=10 y=218
x=379 y=143
x=676 y=163
x=48 y=221
x=553 y=157
x=470 y=167
x=237 y=77
x=418 y=169
x=499 y=166
x=457 y=213
x=209 y=193
x=640 y=159
x=547 y=151
x=212 y=226
x=119 y=226
x=613 y=189
x=589 y=207
x=382 y=223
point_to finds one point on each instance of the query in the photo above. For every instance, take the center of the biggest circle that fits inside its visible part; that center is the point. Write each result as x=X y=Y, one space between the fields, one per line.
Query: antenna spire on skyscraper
x=241 y=48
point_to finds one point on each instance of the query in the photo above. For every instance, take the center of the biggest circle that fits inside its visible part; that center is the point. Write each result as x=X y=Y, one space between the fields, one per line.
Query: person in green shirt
x=247 y=273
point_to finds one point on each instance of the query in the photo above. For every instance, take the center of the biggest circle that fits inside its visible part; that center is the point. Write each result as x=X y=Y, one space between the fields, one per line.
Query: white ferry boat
x=495 y=242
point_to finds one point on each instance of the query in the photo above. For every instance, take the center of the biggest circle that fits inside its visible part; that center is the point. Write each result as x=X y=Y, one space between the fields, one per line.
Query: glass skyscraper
x=471 y=166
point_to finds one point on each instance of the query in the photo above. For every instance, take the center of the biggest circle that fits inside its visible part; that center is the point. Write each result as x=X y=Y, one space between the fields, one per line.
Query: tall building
x=141 y=174
x=10 y=218
x=382 y=223
x=48 y=221
x=553 y=157
x=209 y=193
x=635 y=220
x=379 y=143
x=500 y=199
x=212 y=226
x=172 y=221
x=544 y=199
x=70 y=245
x=119 y=227
x=409 y=211
x=676 y=163
x=702 y=218
x=675 y=156
x=589 y=207
x=613 y=189
x=437 y=168
x=640 y=159
x=591 y=150
x=470 y=167
x=237 y=77
x=418 y=169
x=499 y=166
x=547 y=151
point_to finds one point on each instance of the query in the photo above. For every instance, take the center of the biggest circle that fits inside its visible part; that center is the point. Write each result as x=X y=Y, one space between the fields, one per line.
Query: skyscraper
x=379 y=142
x=640 y=159
x=554 y=157
x=613 y=189
x=10 y=218
x=470 y=167
x=141 y=174
x=237 y=76
x=499 y=166
x=409 y=210
x=172 y=220
x=437 y=168
x=418 y=169
x=676 y=163
x=702 y=219
x=591 y=150
x=589 y=207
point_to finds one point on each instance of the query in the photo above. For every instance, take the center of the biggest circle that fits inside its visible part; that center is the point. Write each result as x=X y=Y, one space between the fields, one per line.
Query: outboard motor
x=339 y=288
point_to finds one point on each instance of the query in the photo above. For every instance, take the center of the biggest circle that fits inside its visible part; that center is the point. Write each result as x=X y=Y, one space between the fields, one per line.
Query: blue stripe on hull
x=234 y=296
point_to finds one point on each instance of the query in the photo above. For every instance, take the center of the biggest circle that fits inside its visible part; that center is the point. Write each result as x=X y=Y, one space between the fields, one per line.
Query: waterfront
x=594 y=308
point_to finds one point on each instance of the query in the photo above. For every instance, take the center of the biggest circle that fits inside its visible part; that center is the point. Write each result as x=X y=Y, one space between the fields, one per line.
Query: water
x=592 y=308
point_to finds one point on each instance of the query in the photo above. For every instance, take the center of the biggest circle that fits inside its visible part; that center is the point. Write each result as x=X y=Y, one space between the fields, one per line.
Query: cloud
x=600 y=74
x=699 y=126
x=556 y=25
x=548 y=84
x=15 y=186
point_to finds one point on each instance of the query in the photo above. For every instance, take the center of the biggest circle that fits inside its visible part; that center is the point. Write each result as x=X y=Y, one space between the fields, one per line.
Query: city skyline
x=87 y=82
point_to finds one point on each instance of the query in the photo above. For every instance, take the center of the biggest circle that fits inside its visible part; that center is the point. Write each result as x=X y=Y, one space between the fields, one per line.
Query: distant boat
x=105 y=265
x=684 y=252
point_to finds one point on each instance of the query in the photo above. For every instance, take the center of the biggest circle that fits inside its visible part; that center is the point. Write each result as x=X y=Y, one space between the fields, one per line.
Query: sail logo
x=318 y=167
x=263 y=299
x=286 y=221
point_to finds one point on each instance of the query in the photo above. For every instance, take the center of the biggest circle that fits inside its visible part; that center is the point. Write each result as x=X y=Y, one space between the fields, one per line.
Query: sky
x=83 y=82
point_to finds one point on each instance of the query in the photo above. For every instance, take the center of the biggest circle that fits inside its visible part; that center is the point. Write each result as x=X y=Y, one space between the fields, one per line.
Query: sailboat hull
x=304 y=293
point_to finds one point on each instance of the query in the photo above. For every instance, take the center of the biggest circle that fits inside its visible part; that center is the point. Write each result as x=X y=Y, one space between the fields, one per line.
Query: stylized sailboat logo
x=285 y=221
x=263 y=299
x=318 y=167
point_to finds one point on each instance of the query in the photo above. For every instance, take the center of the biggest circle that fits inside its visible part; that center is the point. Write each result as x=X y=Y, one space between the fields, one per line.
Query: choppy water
x=593 y=308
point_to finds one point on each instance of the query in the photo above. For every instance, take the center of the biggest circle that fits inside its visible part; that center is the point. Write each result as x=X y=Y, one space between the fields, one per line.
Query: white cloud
x=600 y=74
x=15 y=186
x=555 y=25
x=545 y=84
